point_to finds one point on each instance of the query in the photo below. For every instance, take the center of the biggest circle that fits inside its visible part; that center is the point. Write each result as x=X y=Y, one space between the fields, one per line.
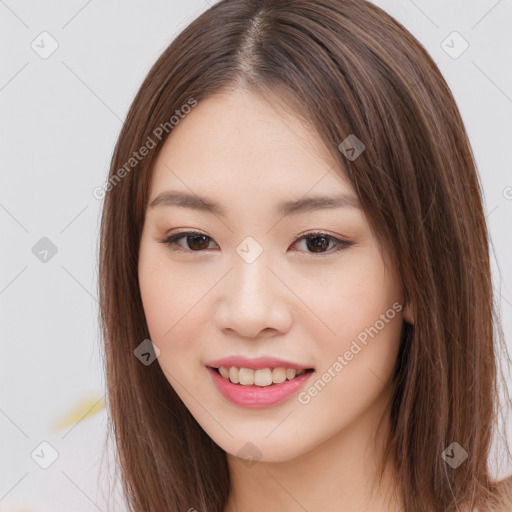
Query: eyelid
x=339 y=242
x=171 y=242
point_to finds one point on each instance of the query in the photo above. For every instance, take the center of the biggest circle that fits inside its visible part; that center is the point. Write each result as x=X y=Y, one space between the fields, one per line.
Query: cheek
x=362 y=307
x=167 y=302
x=353 y=298
x=175 y=313
x=167 y=296
x=171 y=329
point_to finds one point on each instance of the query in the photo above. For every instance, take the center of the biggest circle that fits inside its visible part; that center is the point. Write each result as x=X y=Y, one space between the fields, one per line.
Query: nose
x=254 y=302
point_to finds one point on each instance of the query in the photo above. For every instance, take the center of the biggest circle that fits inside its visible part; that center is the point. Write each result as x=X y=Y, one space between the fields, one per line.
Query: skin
x=291 y=302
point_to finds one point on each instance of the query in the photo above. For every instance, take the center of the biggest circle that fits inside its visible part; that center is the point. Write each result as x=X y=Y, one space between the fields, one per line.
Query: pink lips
x=256 y=396
x=255 y=364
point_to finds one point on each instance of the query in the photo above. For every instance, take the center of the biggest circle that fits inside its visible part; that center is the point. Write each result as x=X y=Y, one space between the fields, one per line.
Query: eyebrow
x=294 y=207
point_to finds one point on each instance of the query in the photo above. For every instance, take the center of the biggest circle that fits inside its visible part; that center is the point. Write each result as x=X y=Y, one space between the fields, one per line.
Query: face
x=237 y=280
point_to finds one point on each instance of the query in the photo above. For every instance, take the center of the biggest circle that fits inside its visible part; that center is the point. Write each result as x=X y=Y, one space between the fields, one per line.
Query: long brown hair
x=345 y=67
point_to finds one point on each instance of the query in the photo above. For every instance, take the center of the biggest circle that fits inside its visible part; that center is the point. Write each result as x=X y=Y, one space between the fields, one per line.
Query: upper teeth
x=262 y=377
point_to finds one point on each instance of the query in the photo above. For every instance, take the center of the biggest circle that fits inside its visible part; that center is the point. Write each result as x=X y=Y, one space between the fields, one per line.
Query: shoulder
x=505 y=487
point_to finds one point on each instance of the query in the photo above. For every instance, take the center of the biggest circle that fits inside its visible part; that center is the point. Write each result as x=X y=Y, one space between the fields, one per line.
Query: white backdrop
x=68 y=75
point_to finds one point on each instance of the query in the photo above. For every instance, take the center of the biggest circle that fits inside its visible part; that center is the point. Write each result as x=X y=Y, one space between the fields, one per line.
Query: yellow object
x=83 y=410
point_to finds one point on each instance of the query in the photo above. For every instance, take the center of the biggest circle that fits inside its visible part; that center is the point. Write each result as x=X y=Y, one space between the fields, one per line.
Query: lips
x=260 y=382
x=255 y=364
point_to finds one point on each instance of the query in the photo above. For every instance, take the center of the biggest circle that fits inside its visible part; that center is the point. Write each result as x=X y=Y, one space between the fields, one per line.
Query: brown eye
x=195 y=241
x=319 y=242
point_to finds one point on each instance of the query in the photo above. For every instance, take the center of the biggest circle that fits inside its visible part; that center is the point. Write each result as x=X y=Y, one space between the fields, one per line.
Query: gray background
x=60 y=117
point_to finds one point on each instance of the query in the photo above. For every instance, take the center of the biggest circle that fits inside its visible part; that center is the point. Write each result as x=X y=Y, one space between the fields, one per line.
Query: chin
x=263 y=450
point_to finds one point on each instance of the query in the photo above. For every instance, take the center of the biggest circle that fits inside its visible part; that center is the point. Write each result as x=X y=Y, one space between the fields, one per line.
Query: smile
x=261 y=387
x=261 y=377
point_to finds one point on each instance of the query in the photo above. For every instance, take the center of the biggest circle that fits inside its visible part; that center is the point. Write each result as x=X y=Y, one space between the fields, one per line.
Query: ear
x=408 y=314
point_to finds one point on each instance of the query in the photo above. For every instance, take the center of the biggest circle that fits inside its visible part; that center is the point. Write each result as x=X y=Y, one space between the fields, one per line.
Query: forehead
x=240 y=142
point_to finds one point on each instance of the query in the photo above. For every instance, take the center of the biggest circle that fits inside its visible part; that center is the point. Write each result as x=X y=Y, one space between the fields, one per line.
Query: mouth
x=258 y=388
x=261 y=377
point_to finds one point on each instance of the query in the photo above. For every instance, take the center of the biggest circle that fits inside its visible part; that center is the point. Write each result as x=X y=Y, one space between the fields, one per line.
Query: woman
x=294 y=273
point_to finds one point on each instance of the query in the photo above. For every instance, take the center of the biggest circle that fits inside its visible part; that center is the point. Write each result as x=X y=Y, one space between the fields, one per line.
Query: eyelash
x=172 y=240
